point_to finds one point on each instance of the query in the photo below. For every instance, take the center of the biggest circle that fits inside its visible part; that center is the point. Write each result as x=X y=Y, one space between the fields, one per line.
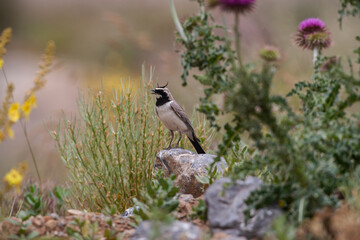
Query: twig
x=12 y=207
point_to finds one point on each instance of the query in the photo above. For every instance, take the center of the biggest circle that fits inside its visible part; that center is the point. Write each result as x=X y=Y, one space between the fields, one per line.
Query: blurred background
x=108 y=41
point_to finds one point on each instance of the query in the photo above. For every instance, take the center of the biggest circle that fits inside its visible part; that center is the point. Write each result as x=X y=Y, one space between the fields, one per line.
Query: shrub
x=110 y=150
x=304 y=155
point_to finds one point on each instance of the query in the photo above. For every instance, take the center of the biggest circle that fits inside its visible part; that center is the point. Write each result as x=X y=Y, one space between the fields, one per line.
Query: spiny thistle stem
x=177 y=21
x=237 y=38
x=315 y=55
x=23 y=126
x=202 y=6
x=228 y=42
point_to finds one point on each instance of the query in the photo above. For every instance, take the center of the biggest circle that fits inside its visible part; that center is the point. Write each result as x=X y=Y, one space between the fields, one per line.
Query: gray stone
x=175 y=231
x=226 y=207
x=129 y=212
x=74 y=212
x=186 y=165
x=224 y=236
x=54 y=216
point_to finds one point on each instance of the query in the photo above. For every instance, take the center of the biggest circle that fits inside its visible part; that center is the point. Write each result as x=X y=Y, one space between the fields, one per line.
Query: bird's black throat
x=162 y=97
x=162 y=100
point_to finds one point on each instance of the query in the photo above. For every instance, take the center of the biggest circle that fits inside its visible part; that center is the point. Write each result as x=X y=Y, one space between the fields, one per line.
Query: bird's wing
x=179 y=111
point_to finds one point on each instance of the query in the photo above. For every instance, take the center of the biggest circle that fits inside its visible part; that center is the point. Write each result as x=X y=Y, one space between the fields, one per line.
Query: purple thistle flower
x=314 y=40
x=312 y=25
x=237 y=5
x=312 y=34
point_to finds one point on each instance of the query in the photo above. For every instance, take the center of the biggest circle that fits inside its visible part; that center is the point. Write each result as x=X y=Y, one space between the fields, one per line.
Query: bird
x=173 y=116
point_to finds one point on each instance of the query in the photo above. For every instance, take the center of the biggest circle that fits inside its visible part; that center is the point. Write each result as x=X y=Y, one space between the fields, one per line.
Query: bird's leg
x=177 y=144
x=172 y=137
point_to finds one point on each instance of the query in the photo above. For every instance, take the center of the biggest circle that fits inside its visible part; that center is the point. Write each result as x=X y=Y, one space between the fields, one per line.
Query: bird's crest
x=162 y=86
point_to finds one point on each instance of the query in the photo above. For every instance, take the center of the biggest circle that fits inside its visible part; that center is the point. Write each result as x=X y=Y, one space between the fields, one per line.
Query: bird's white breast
x=169 y=118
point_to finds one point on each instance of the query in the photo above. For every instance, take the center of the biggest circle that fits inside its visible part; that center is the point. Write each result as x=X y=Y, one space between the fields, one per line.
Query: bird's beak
x=153 y=91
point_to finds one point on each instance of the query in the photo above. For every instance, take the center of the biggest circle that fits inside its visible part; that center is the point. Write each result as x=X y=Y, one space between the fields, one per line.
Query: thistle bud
x=329 y=64
x=269 y=54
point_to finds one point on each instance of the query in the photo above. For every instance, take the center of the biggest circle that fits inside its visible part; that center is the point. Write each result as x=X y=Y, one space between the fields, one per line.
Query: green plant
x=350 y=190
x=61 y=195
x=110 y=150
x=348 y=7
x=33 y=206
x=281 y=229
x=304 y=155
x=158 y=201
x=200 y=211
x=33 y=203
x=83 y=230
x=23 y=234
x=31 y=200
x=110 y=233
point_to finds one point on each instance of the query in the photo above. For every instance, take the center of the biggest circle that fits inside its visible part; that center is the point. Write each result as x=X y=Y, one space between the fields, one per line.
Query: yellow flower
x=29 y=105
x=1 y=63
x=26 y=108
x=14 y=113
x=10 y=132
x=2 y=136
x=32 y=101
x=13 y=178
x=23 y=166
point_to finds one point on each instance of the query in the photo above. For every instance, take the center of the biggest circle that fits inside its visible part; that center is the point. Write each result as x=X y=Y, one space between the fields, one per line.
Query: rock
x=225 y=236
x=75 y=212
x=51 y=224
x=38 y=221
x=175 y=231
x=340 y=223
x=10 y=226
x=46 y=225
x=61 y=223
x=226 y=206
x=54 y=216
x=129 y=212
x=186 y=203
x=47 y=218
x=186 y=198
x=40 y=230
x=126 y=234
x=186 y=165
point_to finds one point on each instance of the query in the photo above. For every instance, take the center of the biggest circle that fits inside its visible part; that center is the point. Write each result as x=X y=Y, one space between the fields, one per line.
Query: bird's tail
x=195 y=142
